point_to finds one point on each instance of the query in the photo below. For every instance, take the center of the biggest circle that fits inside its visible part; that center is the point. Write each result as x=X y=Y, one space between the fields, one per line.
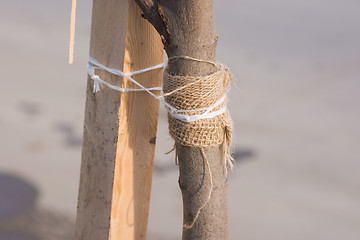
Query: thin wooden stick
x=72 y=32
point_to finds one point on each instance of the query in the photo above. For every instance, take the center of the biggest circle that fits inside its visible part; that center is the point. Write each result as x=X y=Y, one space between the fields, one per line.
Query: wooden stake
x=119 y=129
x=137 y=132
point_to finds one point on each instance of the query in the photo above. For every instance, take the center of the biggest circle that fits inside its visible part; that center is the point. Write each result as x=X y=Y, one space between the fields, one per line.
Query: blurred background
x=295 y=107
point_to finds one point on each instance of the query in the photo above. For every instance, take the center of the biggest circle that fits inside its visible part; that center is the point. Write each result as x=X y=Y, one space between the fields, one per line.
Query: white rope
x=175 y=113
x=96 y=65
x=206 y=114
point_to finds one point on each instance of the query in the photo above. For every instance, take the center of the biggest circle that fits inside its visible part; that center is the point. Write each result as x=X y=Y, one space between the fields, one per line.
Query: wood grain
x=72 y=32
x=137 y=132
x=119 y=129
x=101 y=124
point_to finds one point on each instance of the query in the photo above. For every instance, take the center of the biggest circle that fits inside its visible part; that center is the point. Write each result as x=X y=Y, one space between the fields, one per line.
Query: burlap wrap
x=199 y=92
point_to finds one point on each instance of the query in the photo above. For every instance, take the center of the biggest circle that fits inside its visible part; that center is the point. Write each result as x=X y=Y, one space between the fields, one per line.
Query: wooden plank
x=137 y=132
x=101 y=124
x=119 y=130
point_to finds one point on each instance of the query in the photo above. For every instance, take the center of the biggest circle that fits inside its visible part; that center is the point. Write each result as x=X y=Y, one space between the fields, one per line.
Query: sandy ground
x=295 y=108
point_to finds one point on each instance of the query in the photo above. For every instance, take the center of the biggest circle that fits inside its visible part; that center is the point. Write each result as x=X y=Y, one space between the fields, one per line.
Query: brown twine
x=171 y=150
x=200 y=92
x=189 y=226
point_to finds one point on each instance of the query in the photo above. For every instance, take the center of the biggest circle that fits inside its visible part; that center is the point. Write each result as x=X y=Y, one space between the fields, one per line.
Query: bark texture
x=187 y=29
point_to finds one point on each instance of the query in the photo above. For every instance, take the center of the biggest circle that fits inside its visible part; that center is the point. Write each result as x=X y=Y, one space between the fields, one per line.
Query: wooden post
x=137 y=132
x=187 y=28
x=119 y=129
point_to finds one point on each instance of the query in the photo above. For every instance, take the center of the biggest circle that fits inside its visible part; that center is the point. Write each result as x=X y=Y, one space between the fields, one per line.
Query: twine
x=191 y=225
x=180 y=114
x=196 y=106
x=94 y=65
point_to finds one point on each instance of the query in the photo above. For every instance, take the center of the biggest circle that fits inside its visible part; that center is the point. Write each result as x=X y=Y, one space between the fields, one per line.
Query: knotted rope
x=196 y=106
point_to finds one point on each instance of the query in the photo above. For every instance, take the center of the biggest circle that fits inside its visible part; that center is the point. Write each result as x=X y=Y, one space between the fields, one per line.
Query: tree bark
x=187 y=29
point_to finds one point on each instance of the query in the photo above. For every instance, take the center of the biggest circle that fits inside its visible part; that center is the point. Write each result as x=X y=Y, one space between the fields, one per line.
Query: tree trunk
x=187 y=29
